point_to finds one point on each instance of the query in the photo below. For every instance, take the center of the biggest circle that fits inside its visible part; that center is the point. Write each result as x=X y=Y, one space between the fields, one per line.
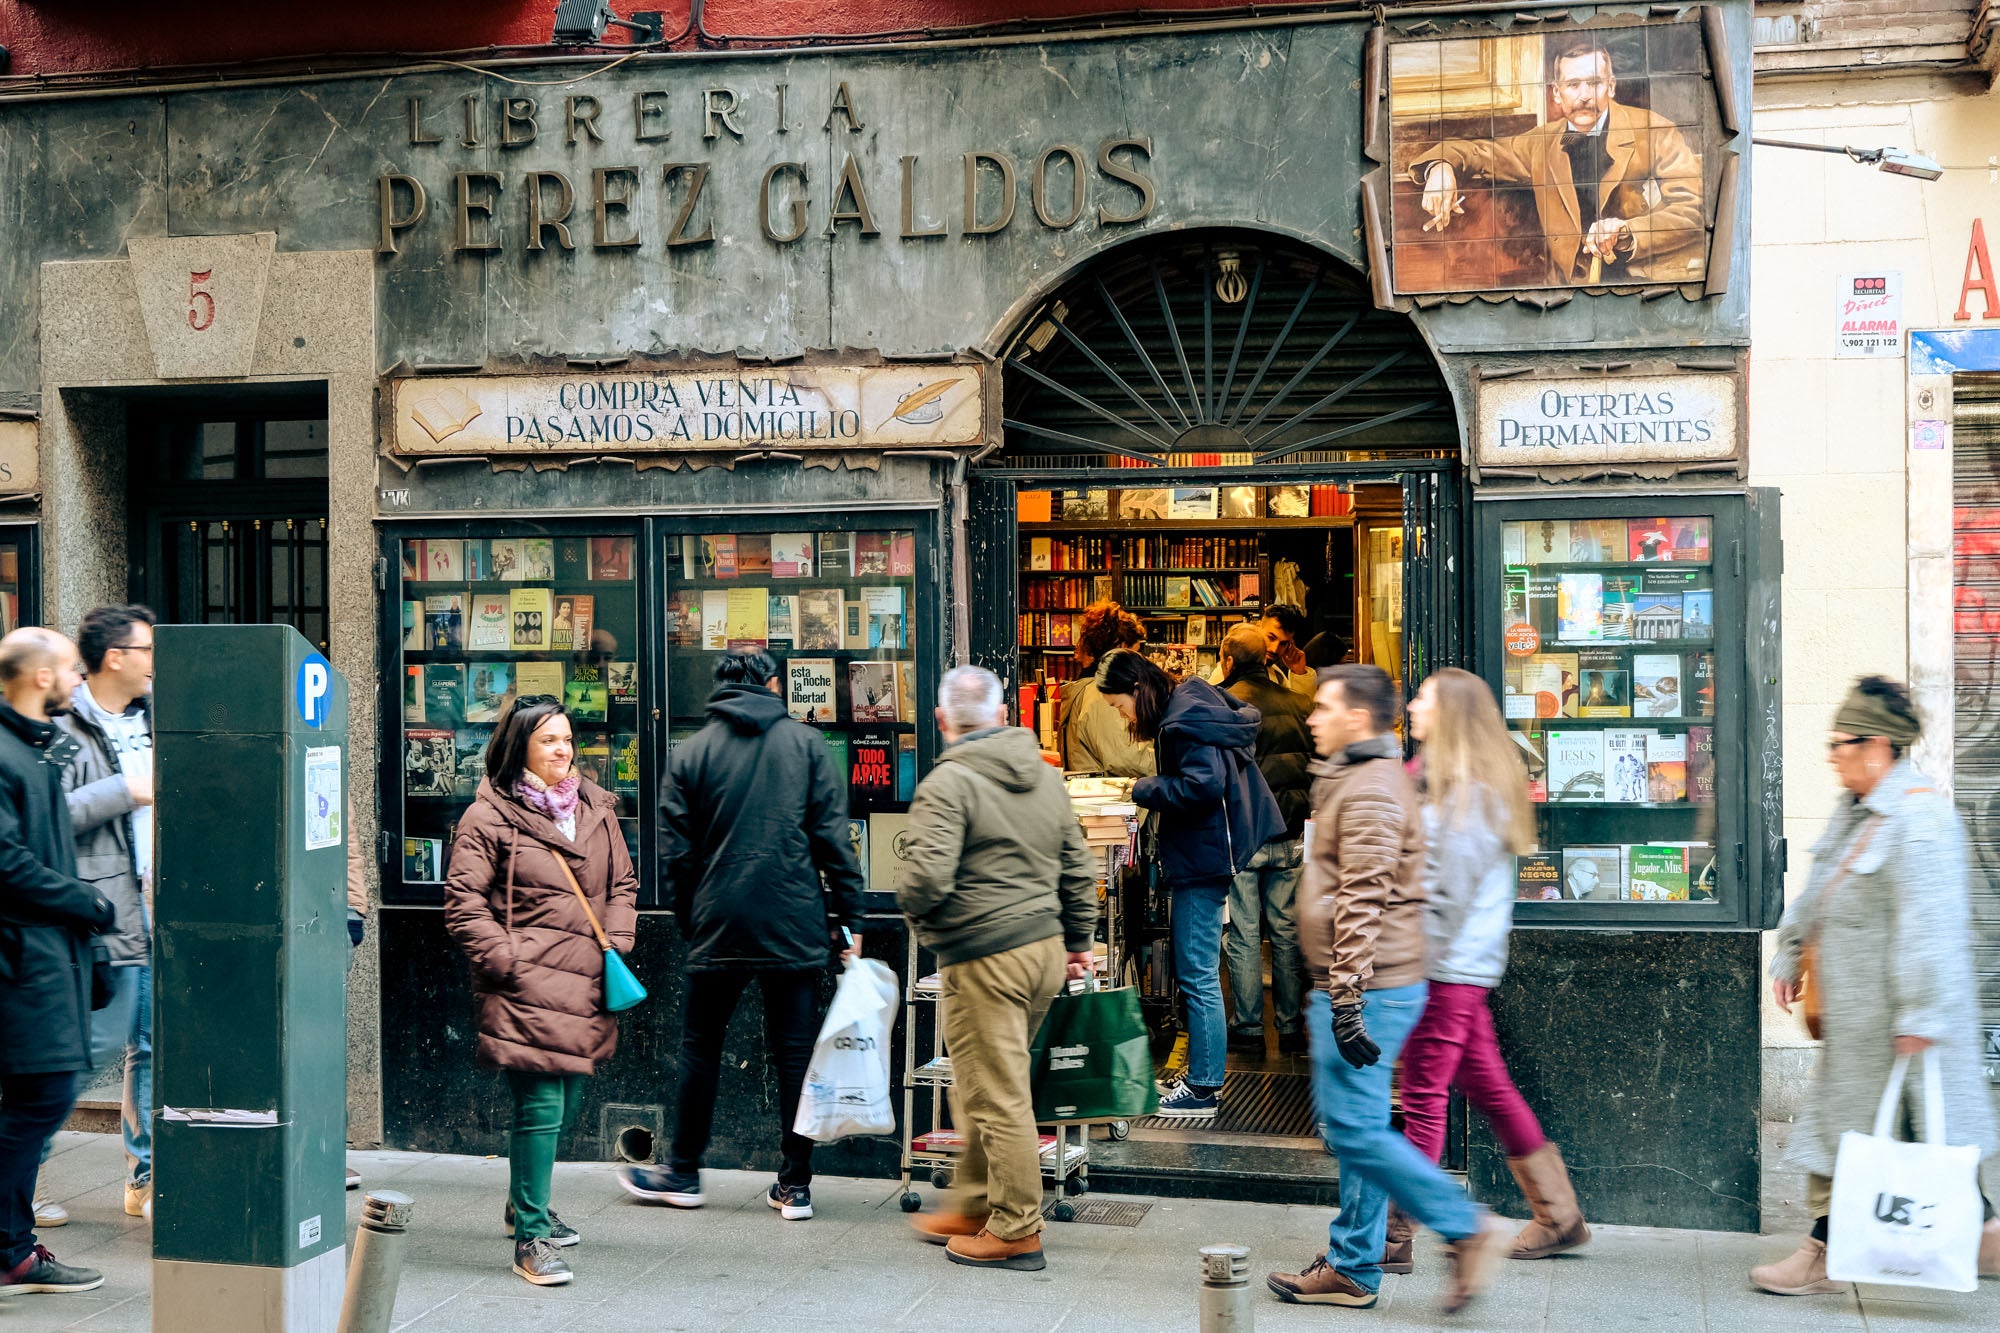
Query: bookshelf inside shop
x=489 y=619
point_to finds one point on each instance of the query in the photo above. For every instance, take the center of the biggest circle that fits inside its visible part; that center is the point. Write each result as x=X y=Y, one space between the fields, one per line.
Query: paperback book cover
x=871 y=770
x=1593 y=874
x=1576 y=766
x=1666 y=578
x=1550 y=678
x=906 y=691
x=1538 y=877
x=888 y=847
x=444 y=622
x=478 y=567
x=903 y=550
x=444 y=695
x=1621 y=593
x=503 y=556
x=423 y=860
x=1658 y=873
x=429 y=765
x=611 y=559
x=1180 y=591
x=1596 y=540
x=468 y=746
x=1701 y=765
x=884 y=607
x=570 y=630
x=538 y=559
x=491 y=629
x=444 y=561
x=1656 y=685
x=572 y=558
x=821 y=619
x=722 y=554
x=1580 y=608
x=871 y=555
x=836 y=748
x=836 y=555
x=593 y=760
x=783 y=618
x=857 y=842
x=906 y=766
x=854 y=632
x=1041 y=554
x=871 y=691
x=1692 y=538
x=413 y=560
x=413 y=627
x=684 y=619
x=1701 y=685
x=748 y=612
x=621 y=679
x=1650 y=539
x=413 y=694
x=625 y=765
x=715 y=620
x=1548 y=541
x=488 y=686
x=1698 y=614
x=585 y=694
x=1625 y=765
x=791 y=555
x=809 y=689
x=1534 y=757
x=753 y=555
x=1514 y=597
x=1656 y=615
x=538 y=678
x=530 y=609
x=1604 y=686
x=1666 y=767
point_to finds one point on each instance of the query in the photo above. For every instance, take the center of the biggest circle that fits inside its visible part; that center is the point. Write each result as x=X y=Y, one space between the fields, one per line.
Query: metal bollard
x=1226 y=1305
x=377 y=1268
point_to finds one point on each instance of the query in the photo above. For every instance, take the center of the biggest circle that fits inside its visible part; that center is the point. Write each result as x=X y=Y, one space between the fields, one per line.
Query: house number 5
x=201 y=305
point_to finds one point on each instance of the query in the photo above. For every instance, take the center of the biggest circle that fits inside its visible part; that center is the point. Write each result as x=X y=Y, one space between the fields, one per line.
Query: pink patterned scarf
x=558 y=802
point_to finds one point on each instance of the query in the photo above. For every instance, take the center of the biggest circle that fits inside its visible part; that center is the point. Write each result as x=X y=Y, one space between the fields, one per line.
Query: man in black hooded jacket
x=755 y=813
x=47 y=919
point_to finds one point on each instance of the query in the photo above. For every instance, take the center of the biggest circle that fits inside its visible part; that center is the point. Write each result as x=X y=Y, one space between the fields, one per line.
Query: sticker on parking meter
x=323 y=804
x=309 y=1231
x=312 y=692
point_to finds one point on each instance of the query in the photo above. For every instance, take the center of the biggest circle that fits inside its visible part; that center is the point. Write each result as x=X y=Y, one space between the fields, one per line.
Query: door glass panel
x=1608 y=633
x=12 y=558
x=494 y=617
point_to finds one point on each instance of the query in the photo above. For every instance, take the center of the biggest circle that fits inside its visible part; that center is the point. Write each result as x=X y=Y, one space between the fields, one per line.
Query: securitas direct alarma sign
x=1869 y=317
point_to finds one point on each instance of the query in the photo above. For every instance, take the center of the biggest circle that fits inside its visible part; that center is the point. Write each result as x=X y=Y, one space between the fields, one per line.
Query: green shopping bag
x=1092 y=1060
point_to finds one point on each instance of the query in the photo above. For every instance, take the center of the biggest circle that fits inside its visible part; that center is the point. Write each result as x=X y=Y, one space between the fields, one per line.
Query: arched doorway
x=1215 y=428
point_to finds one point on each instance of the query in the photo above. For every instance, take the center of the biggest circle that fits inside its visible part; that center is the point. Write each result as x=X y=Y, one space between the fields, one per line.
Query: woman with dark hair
x=756 y=858
x=538 y=864
x=1883 y=934
x=1094 y=738
x=1212 y=811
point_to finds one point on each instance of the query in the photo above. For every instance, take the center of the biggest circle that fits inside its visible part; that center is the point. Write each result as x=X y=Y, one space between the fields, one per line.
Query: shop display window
x=1609 y=683
x=837 y=610
x=486 y=619
x=14 y=579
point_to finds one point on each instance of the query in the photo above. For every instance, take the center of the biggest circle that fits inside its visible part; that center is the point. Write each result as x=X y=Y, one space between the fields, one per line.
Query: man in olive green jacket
x=997 y=882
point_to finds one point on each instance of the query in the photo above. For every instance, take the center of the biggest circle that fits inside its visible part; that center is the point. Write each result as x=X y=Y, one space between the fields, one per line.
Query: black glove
x=1350 y=1034
x=356 y=927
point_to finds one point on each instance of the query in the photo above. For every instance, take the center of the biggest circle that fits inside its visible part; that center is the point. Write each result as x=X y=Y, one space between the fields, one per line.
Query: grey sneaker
x=40 y=1272
x=537 y=1262
x=658 y=1184
x=561 y=1235
x=49 y=1213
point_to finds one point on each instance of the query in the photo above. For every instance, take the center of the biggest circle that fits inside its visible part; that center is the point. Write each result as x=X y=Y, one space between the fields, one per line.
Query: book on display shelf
x=1692 y=540
x=538 y=559
x=413 y=560
x=444 y=694
x=413 y=626
x=1596 y=540
x=871 y=691
x=569 y=629
x=721 y=557
x=884 y=608
x=621 y=679
x=1656 y=615
x=1538 y=876
x=413 y=694
x=1657 y=873
x=1547 y=541
x=444 y=561
x=468 y=747
x=810 y=693
x=747 y=614
x=1701 y=685
x=423 y=860
x=782 y=619
x=857 y=842
x=1151 y=504
x=1666 y=767
x=903 y=555
x=1290 y=501
x=906 y=766
x=478 y=562
x=871 y=555
x=1579 y=608
x=1621 y=594
x=488 y=687
x=544 y=678
x=1656 y=685
x=1593 y=874
x=430 y=765
x=854 y=630
x=572 y=558
x=503 y=559
x=490 y=628
x=887 y=848
x=1576 y=766
x=684 y=619
x=906 y=690
x=1625 y=765
x=871 y=766
x=836 y=555
x=625 y=765
x=584 y=693
x=1041 y=555
x=1550 y=680
x=593 y=760
x=836 y=749
x=1698 y=614
x=529 y=610
x=821 y=619
x=1604 y=686
x=1533 y=747
x=444 y=622
x=715 y=620
x=753 y=555
x=1193 y=502
x=1701 y=765
x=792 y=555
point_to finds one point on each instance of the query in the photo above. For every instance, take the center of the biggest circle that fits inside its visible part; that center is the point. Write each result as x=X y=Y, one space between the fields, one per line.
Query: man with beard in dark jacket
x=755 y=813
x=47 y=919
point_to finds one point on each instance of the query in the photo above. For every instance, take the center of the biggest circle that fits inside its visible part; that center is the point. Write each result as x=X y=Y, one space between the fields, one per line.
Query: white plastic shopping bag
x=1905 y=1214
x=847 y=1085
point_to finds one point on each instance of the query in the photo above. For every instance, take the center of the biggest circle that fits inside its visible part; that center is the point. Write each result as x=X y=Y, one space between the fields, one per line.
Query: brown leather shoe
x=1475 y=1259
x=1989 y=1248
x=986 y=1250
x=1558 y=1222
x=1399 y=1252
x=1802 y=1274
x=1320 y=1284
x=939 y=1228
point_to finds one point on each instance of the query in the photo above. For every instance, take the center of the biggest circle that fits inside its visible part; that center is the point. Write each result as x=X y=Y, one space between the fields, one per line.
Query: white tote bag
x=1906 y=1214
x=847 y=1084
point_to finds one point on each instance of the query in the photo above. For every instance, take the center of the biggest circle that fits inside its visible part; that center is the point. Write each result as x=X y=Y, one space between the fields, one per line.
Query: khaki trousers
x=993 y=1008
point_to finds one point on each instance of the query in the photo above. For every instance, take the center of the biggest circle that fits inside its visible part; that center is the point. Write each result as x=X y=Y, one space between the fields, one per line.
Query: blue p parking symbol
x=312 y=690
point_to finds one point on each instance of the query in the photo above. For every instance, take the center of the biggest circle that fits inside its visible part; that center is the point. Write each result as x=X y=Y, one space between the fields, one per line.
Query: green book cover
x=1659 y=874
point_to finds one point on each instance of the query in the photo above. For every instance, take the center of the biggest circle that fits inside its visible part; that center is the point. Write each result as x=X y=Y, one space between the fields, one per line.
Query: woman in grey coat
x=1886 y=908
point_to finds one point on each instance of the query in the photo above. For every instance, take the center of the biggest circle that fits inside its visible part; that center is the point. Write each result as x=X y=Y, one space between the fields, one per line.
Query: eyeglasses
x=130 y=648
x=1833 y=747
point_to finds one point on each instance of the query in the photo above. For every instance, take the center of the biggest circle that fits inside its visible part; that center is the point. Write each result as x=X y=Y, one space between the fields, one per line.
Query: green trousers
x=545 y=1106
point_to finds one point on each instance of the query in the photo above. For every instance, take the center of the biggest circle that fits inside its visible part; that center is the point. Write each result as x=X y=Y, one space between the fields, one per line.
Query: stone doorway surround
x=208 y=312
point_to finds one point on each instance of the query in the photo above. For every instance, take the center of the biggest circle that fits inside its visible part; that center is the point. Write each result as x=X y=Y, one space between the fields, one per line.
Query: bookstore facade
x=881 y=392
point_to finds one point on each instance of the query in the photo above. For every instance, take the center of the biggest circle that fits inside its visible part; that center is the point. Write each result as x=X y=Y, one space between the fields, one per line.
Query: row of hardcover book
x=1062 y=554
x=1183 y=503
x=1620 y=765
x=517 y=559
x=799 y=555
x=520 y=620
x=1609 y=682
x=1651 y=872
x=445 y=694
x=756 y=617
x=1592 y=541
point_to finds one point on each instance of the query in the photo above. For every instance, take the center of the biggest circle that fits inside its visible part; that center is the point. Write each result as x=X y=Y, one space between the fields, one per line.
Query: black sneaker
x=561 y=1235
x=657 y=1184
x=538 y=1262
x=40 y=1272
x=1247 y=1043
x=1186 y=1102
x=793 y=1202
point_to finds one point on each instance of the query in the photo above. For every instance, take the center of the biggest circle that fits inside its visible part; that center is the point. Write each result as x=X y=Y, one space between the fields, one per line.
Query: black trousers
x=32 y=1108
x=791 y=1025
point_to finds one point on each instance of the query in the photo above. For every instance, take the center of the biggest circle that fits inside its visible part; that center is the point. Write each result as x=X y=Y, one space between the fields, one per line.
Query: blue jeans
x=1267 y=887
x=1198 y=968
x=126 y=1026
x=1376 y=1163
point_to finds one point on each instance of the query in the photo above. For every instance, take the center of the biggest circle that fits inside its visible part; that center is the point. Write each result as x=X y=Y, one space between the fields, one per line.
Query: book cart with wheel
x=1110 y=828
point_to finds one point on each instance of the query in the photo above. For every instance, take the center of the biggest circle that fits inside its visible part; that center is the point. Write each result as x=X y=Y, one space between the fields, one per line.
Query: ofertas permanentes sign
x=1607 y=419
x=799 y=407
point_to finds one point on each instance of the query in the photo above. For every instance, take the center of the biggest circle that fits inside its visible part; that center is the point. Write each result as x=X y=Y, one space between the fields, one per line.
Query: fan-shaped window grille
x=1220 y=348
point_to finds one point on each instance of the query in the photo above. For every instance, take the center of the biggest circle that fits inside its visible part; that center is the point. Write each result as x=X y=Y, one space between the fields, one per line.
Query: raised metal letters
x=605 y=200
x=719 y=106
x=676 y=233
x=1039 y=187
x=580 y=113
x=644 y=108
x=538 y=222
x=517 y=122
x=843 y=105
x=797 y=206
x=851 y=188
x=462 y=237
x=1131 y=176
x=972 y=226
x=910 y=231
x=393 y=222
x=417 y=135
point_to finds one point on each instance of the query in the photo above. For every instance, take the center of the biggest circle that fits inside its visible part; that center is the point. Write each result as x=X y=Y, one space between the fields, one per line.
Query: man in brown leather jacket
x=1361 y=928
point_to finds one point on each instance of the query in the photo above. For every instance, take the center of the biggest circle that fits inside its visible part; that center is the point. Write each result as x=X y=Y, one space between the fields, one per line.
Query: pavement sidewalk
x=737 y=1265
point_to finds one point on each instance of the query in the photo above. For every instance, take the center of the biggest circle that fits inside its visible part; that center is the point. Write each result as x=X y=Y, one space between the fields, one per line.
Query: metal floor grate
x=1276 y=1104
x=1109 y=1212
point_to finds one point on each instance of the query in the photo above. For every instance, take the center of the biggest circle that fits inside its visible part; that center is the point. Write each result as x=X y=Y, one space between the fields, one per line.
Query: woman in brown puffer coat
x=537 y=968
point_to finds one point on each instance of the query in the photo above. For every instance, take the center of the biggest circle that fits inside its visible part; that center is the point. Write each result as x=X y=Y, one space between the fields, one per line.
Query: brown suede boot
x=1989 y=1248
x=939 y=1228
x=1558 y=1222
x=1398 y=1248
x=987 y=1250
x=1803 y=1274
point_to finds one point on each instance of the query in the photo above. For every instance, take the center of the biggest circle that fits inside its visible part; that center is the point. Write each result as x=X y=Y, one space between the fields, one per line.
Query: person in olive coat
x=754 y=817
x=48 y=918
x=537 y=833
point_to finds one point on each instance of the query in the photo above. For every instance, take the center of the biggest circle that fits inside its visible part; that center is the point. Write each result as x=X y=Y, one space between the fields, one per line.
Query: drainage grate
x=1109 y=1212
x=1279 y=1104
